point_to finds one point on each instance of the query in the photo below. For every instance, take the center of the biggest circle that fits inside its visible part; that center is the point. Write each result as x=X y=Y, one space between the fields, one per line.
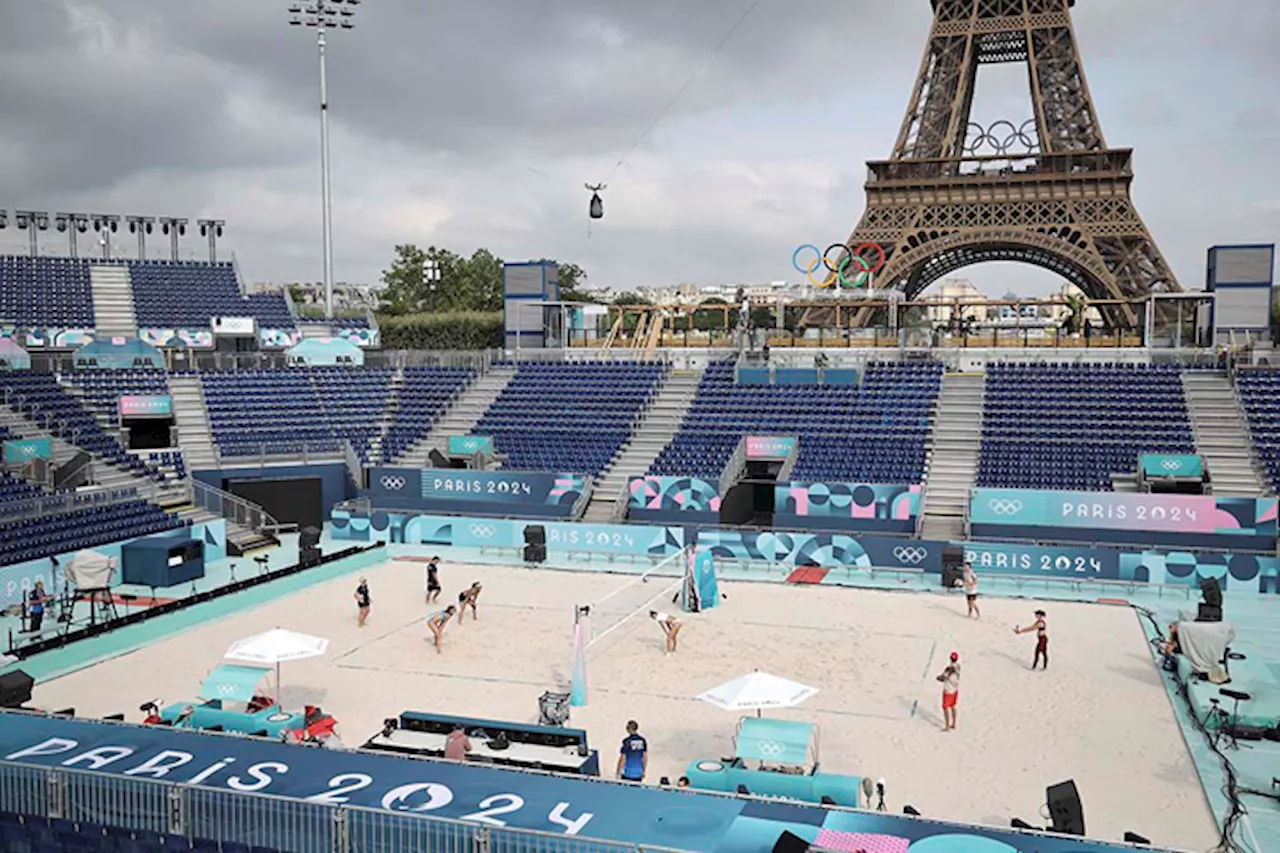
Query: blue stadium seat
x=45 y=293
x=187 y=294
x=1259 y=390
x=570 y=417
x=872 y=433
x=1071 y=426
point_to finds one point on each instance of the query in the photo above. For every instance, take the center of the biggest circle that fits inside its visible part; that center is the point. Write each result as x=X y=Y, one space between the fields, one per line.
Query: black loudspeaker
x=535 y=553
x=1065 y=809
x=1209 y=613
x=15 y=689
x=309 y=537
x=535 y=534
x=439 y=460
x=952 y=565
x=1212 y=592
x=790 y=843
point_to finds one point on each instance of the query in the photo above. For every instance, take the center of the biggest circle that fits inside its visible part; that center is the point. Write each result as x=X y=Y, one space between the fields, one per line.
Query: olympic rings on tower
x=836 y=261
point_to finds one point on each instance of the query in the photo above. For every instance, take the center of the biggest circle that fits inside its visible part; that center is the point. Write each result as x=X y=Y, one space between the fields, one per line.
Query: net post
x=578 y=667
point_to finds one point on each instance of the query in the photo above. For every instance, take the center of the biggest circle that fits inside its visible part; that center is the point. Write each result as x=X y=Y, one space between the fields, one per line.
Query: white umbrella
x=276 y=646
x=756 y=691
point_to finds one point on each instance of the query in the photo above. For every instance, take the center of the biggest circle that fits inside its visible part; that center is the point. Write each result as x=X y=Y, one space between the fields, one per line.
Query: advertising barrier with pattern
x=847 y=506
x=826 y=550
x=451 y=490
x=575 y=808
x=182 y=338
x=22 y=451
x=467 y=445
x=678 y=499
x=770 y=446
x=461 y=532
x=146 y=406
x=1169 y=465
x=1199 y=521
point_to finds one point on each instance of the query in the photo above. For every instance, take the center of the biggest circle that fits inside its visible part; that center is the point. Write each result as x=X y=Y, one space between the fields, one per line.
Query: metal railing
x=231 y=507
x=622 y=503
x=76 y=472
x=264 y=820
x=354 y=467
x=734 y=467
x=584 y=498
x=789 y=464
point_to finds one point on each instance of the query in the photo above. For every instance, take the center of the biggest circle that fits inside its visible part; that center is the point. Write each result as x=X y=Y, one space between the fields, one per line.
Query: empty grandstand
x=45 y=292
x=186 y=294
x=101 y=390
x=875 y=432
x=569 y=416
x=423 y=395
x=1260 y=394
x=1074 y=426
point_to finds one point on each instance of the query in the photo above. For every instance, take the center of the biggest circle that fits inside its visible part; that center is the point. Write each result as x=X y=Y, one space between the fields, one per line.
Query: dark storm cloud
x=443 y=109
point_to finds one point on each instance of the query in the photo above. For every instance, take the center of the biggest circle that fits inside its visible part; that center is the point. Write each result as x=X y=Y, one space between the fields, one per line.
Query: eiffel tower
x=1048 y=192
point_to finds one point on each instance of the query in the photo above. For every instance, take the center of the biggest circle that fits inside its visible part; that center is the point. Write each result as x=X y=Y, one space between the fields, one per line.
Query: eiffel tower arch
x=1048 y=192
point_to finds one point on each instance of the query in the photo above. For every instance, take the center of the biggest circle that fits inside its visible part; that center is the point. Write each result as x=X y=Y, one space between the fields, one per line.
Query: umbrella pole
x=279 y=690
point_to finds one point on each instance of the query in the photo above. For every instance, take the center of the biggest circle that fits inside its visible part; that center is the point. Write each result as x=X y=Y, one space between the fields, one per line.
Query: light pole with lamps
x=322 y=16
x=431 y=274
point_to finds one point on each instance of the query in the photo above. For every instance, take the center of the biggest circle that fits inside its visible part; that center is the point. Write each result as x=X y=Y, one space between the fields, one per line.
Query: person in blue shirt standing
x=633 y=760
x=35 y=607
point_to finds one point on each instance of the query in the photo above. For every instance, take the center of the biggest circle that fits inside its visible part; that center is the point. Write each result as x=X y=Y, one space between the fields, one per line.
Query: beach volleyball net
x=685 y=579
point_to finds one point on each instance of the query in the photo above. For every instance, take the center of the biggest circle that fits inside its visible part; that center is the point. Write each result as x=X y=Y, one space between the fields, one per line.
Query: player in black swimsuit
x=467 y=598
x=362 y=602
x=1041 y=627
x=433 y=580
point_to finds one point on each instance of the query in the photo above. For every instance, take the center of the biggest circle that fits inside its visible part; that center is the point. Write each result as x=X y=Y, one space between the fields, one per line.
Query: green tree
x=706 y=321
x=408 y=290
x=572 y=277
x=629 y=298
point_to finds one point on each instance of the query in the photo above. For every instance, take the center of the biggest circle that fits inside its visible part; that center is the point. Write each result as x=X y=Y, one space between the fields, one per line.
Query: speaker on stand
x=535 y=544
x=952 y=566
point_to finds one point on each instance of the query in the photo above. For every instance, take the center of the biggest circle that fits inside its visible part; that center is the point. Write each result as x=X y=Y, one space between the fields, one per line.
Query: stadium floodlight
x=142 y=226
x=105 y=224
x=32 y=221
x=431 y=274
x=322 y=16
x=211 y=228
x=174 y=227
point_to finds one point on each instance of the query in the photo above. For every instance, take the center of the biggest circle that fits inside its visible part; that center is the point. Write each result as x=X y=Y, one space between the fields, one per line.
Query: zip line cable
x=687 y=83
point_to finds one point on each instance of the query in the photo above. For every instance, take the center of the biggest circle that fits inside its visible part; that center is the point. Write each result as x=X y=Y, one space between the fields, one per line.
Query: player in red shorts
x=950 y=679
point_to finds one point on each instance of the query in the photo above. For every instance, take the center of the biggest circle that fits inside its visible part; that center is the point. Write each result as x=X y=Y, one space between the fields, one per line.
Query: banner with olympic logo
x=842 y=266
x=1199 y=521
x=529 y=494
x=1171 y=465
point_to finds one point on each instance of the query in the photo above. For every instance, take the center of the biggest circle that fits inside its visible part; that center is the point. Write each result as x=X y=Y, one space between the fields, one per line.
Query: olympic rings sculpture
x=837 y=270
x=1001 y=139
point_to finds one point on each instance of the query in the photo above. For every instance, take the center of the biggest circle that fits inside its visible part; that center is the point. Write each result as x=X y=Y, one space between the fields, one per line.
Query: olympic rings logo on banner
x=482 y=531
x=1003 y=507
x=910 y=555
x=393 y=484
x=1171 y=464
x=837 y=266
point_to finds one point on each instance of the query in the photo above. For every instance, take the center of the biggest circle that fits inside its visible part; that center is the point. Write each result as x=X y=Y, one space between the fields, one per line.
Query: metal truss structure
x=1049 y=192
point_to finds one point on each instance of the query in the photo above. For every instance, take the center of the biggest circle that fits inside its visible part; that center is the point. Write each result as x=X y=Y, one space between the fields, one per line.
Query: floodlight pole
x=324 y=15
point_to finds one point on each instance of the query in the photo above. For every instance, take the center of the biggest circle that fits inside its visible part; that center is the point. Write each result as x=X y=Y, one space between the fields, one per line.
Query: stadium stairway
x=658 y=426
x=953 y=458
x=112 y=290
x=105 y=474
x=191 y=416
x=462 y=416
x=389 y=412
x=1221 y=433
x=312 y=329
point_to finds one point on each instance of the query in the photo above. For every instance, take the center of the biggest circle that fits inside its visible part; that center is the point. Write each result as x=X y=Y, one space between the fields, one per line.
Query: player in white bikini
x=670 y=626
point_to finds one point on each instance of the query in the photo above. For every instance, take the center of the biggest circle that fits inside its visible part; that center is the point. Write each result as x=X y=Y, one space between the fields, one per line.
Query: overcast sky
x=468 y=123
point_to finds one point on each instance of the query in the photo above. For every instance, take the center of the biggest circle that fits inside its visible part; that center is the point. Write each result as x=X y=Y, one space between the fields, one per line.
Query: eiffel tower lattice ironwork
x=1049 y=193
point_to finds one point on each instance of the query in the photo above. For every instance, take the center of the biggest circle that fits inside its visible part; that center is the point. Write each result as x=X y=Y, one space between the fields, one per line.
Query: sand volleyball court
x=1099 y=715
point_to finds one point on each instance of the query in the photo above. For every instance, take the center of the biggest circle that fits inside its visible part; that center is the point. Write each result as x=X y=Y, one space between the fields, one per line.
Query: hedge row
x=463 y=330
